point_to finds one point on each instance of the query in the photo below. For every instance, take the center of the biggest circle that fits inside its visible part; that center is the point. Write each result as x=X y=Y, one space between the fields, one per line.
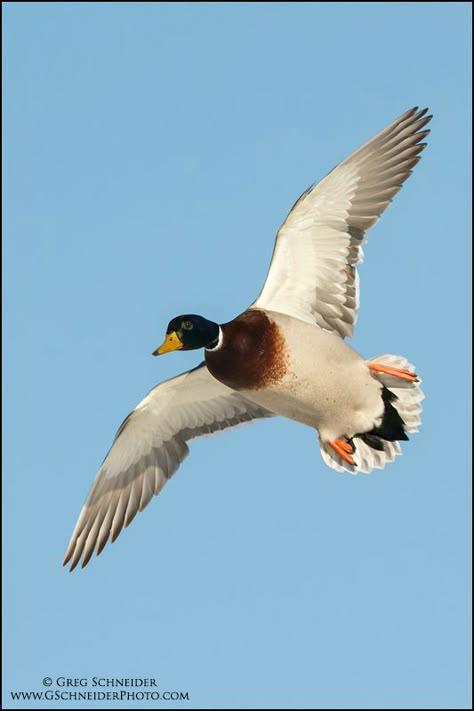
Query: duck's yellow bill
x=171 y=343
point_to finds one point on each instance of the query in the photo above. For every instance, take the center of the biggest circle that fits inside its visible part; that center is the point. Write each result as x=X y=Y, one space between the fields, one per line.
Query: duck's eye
x=187 y=325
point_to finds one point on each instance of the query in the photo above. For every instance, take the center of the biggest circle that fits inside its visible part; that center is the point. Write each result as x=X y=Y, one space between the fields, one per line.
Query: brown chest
x=252 y=354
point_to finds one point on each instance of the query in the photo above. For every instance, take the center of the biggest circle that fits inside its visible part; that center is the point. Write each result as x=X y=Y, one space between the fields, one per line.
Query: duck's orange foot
x=396 y=372
x=343 y=449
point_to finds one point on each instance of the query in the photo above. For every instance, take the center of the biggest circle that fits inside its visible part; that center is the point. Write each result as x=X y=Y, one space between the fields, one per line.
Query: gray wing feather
x=312 y=274
x=148 y=448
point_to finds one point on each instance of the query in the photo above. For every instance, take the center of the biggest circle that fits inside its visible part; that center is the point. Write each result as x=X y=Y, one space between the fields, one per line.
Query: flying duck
x=285 y=355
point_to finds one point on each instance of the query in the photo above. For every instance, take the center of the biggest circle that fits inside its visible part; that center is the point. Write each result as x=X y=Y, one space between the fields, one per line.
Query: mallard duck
x=285 y=355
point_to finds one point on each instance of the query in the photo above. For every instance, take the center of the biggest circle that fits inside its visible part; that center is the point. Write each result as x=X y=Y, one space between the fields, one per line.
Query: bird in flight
x=284 y=355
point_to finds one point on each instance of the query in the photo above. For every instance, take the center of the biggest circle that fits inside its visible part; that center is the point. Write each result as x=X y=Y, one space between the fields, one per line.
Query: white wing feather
x=312 y=275
x=148 y=448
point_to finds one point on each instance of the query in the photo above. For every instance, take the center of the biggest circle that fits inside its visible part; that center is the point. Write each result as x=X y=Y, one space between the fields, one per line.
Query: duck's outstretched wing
x=148 y=448
x=312 y=274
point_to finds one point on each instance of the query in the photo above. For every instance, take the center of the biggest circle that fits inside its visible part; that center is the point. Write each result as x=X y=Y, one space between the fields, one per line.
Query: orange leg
x=396 y=372
x=343 y=449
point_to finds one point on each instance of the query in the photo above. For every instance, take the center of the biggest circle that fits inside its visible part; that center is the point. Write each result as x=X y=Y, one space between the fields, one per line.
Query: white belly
x=327 y=385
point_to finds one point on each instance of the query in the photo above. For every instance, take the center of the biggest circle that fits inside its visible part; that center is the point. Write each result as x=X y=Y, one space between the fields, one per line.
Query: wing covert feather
x=312 y=274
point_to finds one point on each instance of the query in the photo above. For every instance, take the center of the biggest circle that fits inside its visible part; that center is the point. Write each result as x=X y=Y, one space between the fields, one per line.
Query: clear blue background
x=151 y=152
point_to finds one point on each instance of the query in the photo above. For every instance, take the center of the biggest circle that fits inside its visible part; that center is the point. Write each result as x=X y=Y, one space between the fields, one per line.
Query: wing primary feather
x=149 y=446
x=325 y=229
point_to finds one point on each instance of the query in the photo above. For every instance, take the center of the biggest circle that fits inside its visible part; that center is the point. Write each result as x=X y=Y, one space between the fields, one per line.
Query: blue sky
x=151 y=151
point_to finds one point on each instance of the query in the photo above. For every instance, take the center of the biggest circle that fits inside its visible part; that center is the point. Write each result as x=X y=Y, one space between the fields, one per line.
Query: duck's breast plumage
x=252 y=354
x=298 y=370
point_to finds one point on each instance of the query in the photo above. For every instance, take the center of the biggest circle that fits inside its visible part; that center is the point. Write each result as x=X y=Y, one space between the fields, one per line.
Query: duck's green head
x=188 y=332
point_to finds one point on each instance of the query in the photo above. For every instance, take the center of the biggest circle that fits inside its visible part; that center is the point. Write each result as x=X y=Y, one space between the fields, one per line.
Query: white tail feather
x=408 y=404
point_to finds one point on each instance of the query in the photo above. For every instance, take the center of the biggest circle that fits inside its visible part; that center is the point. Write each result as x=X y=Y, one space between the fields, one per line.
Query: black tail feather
x=392 y=427
x=372 y=441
